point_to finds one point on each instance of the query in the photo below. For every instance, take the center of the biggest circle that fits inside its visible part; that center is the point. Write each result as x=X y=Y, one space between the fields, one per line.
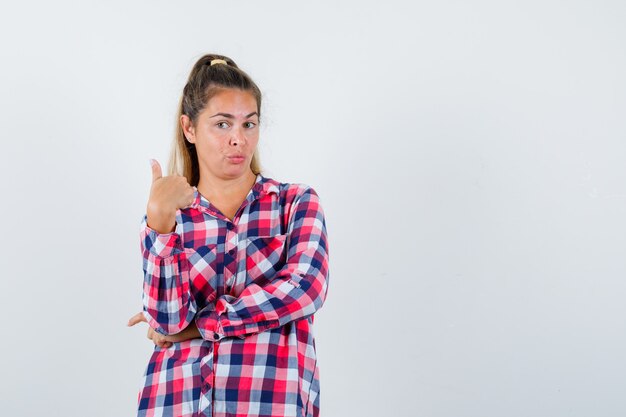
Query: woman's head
x=212 y=87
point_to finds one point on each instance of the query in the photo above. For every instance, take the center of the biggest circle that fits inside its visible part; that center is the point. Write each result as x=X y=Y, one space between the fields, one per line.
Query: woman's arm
x=296 y=291
x=168 y=305
x=167 y=302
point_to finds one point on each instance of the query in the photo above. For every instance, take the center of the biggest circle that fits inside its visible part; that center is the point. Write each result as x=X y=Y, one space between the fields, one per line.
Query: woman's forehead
x=233 y=103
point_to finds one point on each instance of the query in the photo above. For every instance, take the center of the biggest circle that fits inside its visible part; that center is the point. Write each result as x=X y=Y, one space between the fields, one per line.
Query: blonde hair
x=206 y=80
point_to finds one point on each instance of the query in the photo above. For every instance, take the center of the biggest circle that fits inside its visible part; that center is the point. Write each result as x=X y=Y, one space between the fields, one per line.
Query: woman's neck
x=218 y=189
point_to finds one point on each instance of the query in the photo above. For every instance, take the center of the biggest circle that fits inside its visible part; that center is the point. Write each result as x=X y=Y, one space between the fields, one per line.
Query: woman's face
x=226 y=134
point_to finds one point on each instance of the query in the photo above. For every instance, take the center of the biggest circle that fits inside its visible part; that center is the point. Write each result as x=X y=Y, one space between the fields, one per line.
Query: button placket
x=239 y=268
x=230 y=248
x=207 y=373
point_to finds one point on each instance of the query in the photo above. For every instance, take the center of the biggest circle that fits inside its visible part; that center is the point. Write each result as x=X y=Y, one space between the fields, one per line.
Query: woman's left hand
x=190 y=332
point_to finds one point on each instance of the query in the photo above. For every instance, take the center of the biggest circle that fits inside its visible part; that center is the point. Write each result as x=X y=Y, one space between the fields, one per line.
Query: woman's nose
x=238 y=137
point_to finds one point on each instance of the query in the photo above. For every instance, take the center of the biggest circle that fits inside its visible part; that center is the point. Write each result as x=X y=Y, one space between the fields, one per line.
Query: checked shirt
x=252 y=286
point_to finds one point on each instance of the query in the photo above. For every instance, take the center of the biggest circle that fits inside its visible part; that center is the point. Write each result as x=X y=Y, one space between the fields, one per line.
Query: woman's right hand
x=159 y=339
x=167 y=195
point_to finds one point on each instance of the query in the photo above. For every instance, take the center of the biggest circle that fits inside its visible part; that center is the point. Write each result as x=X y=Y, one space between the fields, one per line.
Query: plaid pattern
x=252 y=286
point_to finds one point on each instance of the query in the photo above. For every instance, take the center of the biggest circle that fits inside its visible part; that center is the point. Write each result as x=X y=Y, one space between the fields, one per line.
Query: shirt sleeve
x=297 y=290
x=168 y=305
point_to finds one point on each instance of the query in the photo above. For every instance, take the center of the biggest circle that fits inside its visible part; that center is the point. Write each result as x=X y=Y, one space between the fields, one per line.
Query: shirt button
x=216 y=336
x=231 y=252
x=229 y=226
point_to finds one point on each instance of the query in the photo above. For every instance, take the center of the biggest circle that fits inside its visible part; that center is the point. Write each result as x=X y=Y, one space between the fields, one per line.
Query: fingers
x=156 y=170
x=139 y=317
x=170 y=192
x=192 y=200
x=158 y=339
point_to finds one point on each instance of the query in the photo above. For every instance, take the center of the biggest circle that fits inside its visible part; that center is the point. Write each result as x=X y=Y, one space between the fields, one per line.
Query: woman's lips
x=236 y=159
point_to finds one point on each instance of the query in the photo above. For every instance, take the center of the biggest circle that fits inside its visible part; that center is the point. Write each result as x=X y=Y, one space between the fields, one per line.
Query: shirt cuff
x=210 y=326
x=161 y=245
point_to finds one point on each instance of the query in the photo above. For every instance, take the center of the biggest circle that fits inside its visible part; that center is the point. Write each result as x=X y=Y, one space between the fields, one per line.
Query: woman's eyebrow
x=230 y=116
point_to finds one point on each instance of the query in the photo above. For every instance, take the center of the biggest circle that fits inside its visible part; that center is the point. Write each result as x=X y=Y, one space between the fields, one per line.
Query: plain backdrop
x=469 y=157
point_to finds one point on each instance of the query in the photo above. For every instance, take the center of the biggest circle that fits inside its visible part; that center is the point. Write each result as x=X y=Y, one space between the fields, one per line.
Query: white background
x=469 y=156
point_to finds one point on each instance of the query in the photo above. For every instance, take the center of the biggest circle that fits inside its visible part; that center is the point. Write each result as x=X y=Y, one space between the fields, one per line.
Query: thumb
x=156 y=170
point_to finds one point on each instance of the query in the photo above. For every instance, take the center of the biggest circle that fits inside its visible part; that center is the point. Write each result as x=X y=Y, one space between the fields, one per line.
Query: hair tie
x=218 y=61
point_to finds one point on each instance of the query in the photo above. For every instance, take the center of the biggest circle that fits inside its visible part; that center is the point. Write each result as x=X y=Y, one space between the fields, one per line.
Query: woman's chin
x=236 y=170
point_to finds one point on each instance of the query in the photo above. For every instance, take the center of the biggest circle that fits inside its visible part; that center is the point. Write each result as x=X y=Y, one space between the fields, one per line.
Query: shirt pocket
x=203 y=267
x=265 y=256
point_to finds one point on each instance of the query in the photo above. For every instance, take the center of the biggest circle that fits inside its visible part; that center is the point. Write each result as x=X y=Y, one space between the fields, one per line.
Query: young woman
x=235 y=265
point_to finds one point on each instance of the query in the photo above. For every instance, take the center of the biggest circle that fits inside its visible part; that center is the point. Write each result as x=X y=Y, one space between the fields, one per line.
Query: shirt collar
x=262 y=186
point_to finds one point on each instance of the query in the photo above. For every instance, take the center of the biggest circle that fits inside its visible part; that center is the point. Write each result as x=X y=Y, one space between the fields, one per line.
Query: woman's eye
x=222 y=123
x=251 y=124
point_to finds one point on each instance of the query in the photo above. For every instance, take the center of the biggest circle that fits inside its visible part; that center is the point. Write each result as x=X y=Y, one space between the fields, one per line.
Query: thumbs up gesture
x=167 y=194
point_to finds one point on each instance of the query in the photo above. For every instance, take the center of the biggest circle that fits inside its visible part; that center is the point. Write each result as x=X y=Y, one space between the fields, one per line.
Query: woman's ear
x=188 y=129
